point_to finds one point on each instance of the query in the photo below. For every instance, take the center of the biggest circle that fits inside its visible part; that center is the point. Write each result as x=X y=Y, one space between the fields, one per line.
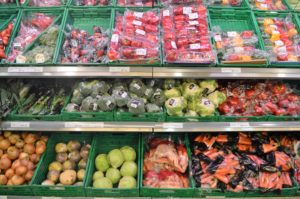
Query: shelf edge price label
x=84 y=124
x=231 y=70
x=25 y=69
x=19 y=124
x=239 y=124
x=119 y=69
x=172 y=125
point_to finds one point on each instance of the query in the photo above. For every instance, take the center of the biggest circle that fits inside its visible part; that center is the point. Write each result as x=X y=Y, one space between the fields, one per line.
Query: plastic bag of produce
x=89 y=104
x=92 y=2
x=136 y=106
x=106 y=103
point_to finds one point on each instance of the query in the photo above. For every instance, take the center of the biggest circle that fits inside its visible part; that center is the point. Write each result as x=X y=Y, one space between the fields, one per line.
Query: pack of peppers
x=281 y=38
x=242 y=161
x=91 y=2
x=259 y=98
x=225 y=3
x=81 y=47
x=45 y=3
x=268 y=5
x=147 y=3
x=136 y=37
x=4 y=39
x=238 y=47
x=31 y=26
x=185 y=35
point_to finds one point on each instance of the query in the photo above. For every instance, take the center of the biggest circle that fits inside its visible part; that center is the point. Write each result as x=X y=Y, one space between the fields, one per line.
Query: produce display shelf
x=148 y=126
x=151 y=72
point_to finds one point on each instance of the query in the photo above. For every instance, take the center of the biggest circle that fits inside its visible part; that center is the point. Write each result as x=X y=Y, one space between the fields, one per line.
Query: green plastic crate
x=10 y=5
x=214 y=118
x=149 y=63
x=144 y=117
x=236 y=20
x=167 y=192
x=277 y=64
x=294 y=5
x=72 y=5
x=42 y=170
x=58 y=18
x=224 y=118
x=285 y=3
x=84 y=20
x=13 y=116
x=22 y=190
x=103 y=144
x=86 y=116
x=244 y=5
x=284 y=118
x=157 y=4
x=64 y=3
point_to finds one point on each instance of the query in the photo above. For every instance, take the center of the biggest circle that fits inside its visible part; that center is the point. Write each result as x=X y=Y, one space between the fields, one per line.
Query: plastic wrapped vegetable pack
x=147 y=3
x=225 y=3
x=242 y=162
x=268 y=5
x=281 y=38
x=45 y=3
x=185 y=35
x=238 y=47
x=136 y=37
x=181 y=2
x=43 y=49
x=4 y=39
x=192 y=97
x=32 y=25
x=165 y=164
x=92 y=2
x=81 y=47
x=258 y=98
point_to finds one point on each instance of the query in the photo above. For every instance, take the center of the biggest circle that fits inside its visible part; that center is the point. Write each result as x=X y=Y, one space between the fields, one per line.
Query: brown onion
x=1 y=153
x=28 y=176
x=24 y=162
x=5 y=163
x=17 y=180
x=9 y=182
x=40 y=149
x=29 y=148
x=3 y=180
x=13 y=153
x=9 y=173
x=4 y=144
x=23 y=155
x=44 y=138
x=14 y=138
x=30 y=138
x=30 y=165
x=1 y=137
x=20 y=143
x=21 y=170
x=7 y=134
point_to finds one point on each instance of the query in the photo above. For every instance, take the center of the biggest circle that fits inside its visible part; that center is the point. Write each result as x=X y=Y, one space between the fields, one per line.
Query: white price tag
x=218 y=38
x=138 y=14
x=25 y=69
x=172 y=125
x=173 y=44
x=187 y=10
x=166 y=13
x=133 y=105
x=19 y=124
x=193 y=15
x=119 y=69
x=84 y=124
x=17 y=45
x=141 y=51
x=231 y=34
x=239 y=124
x=137 y=23
x=279 y=43
x=195 y=46
x=281 y=49
x=231 y=70
x=115 y=38
x=193 y=23
x=139 y=31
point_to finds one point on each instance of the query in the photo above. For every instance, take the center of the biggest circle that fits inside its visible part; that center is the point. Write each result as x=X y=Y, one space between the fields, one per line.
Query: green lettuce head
x=172 y=92
x=175 y=106
x=217 y=98
x=205 y=107
x=191 y=91
x=209 y=85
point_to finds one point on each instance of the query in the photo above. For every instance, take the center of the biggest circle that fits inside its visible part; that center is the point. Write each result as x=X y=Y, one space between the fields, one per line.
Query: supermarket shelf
x=226 y=73
x=78 y=71
x=149 y=126
x=149 y=72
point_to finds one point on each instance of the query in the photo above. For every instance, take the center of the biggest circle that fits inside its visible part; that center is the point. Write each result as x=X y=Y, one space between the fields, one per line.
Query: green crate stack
x=101 y=146
x=149 y=63
x=278 y=64
x=42 y=169
x=244 y=5
x=23 y=190
x=14 y=116
x=167 y=192
x=85 y=20
x=236 y=20
x=58 y=18
x=86 y=116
